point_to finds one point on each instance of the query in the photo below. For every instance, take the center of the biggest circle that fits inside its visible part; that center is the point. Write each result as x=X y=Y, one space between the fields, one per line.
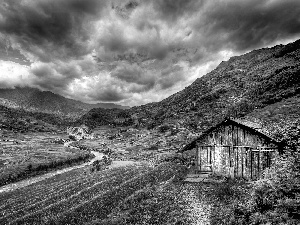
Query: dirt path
x=198 y=209
x=32 y=180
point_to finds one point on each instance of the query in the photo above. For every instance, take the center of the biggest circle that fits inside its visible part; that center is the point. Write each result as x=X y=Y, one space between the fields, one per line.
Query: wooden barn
x=233 y=149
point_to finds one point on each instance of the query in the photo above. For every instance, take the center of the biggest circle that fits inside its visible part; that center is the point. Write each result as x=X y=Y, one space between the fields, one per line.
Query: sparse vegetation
x=31 y=154
x=101 y=164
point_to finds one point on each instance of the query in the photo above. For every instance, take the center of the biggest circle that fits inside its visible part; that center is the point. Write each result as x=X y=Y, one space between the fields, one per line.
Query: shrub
x=29 y=167
x=164 y=128
x=100 y=164
x=277 y=194
x=153 y=147
x=276 y=197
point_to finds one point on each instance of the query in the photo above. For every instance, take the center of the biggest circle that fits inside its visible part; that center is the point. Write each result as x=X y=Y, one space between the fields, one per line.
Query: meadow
x=28 y=154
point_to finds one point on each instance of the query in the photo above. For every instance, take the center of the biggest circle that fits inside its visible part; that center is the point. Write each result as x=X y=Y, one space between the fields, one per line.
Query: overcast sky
x=132 y=52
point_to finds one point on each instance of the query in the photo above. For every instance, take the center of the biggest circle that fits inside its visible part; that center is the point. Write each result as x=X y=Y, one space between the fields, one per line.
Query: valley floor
x=79 y=196
x=24 y=155
x=133 y=194
x=141 y=186
x=35 y=179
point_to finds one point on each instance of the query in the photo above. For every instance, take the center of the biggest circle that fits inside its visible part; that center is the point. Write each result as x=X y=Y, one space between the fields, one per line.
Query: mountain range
x=34 y=100
x=235 y=88
x=262 y=85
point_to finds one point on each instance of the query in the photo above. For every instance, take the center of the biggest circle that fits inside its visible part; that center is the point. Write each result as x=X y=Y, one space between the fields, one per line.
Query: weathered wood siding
x=233 y=151
x=234 y=135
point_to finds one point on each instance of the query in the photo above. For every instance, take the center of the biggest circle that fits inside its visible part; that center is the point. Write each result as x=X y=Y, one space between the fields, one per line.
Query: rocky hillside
x=235 y=88
x=34 y=100
x=262 y=78
x=276 y=118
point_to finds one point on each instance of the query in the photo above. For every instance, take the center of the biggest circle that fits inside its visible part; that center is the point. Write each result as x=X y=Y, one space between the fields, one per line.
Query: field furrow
x=52 y=194
x=78 y=192
x=52 y=185
x=73 y=195
x=73 y=185
x=35 y=192
x=41 y=186
x=100 y=206
x=95 y=205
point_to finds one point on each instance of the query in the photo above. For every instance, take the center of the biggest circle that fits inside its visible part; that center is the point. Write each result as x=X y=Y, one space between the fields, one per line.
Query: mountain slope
x=20 y=120
x=278 y=117
x=235 y=88
x=98 y=116
x=33 y=99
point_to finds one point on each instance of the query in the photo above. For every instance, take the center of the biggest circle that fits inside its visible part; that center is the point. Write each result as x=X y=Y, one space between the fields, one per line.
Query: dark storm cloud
x=172 y=10
x=130 y=50
x=108 y=95
x=49 y=76
x=115 y=43
x=133 y=74
x=7 y=53
x=171 y=76
x=49 y=24
x=244 y=25
x=114 y=40
x=124 y=8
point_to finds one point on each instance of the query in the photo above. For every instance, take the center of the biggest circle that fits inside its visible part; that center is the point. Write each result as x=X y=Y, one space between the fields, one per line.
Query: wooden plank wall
x=236 y=162
x=234 y=135
x=236 y=152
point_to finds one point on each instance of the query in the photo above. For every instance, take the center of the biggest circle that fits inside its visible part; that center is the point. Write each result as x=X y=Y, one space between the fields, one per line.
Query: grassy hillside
x=278 y=117
x=19 y=120
x=32 y=99
x=235 y=88
x=98 y=117
x=31 y=154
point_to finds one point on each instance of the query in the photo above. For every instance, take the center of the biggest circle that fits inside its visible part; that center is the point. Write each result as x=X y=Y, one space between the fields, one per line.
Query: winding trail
x=35 y=179
x=32 y=180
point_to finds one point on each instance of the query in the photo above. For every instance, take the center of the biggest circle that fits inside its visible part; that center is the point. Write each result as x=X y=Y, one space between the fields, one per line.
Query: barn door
x=205 y=158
